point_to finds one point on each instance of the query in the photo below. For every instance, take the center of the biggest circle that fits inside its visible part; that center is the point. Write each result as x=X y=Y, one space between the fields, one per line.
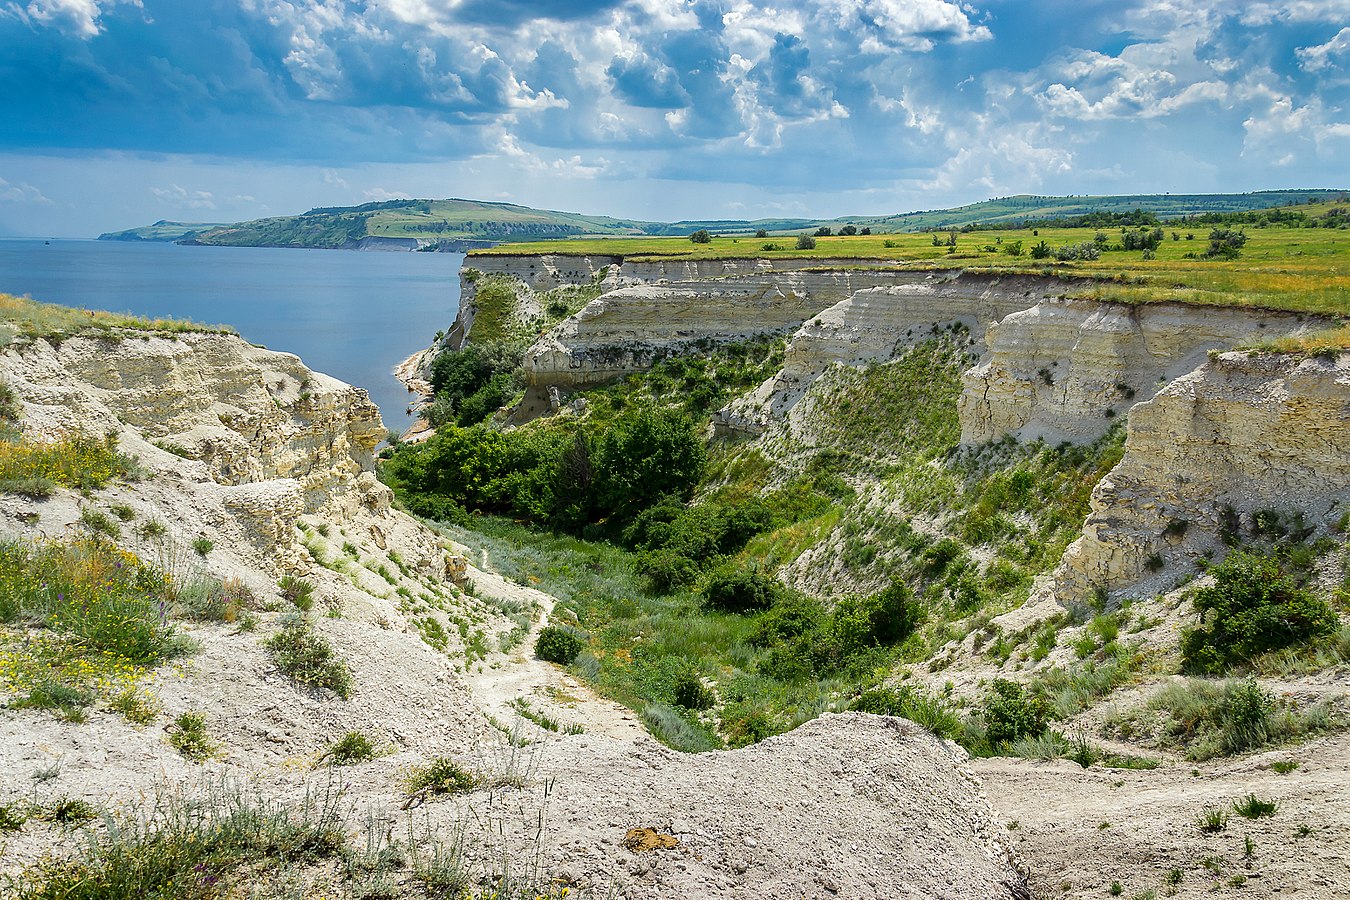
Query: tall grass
x=98 y=597
x=30 y=318
x=1222 y=718
x=195 y=849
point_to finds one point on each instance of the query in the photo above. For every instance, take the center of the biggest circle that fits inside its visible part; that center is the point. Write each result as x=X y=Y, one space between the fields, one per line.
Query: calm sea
x=351 y=315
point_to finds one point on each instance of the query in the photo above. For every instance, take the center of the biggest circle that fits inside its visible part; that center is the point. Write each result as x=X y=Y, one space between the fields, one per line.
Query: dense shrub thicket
x=1254 y=606
x=557 y=644
x=569 y=479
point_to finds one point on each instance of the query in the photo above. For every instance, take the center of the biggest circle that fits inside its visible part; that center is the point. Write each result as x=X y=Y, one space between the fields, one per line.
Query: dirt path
x=1081 y=830
x=501 y=682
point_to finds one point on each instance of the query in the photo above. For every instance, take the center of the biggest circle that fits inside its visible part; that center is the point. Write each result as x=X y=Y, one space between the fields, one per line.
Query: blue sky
x=116 y=113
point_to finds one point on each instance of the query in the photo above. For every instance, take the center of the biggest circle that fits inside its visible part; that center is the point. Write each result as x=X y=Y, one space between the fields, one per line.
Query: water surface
x=349 y=314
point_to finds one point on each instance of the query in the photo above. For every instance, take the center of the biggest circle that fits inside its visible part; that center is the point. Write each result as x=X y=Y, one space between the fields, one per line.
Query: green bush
x=886 y=618
x=740 y=590
x=558 y=644
x=791 y=616
x=666 y=570
x=806 y=242
x=702 y=236
x=189 y=736
x=441 y=775
x=306 y=657
x=472 y=383
x=1253 y=607
x=1010 y=713
x=353 y=747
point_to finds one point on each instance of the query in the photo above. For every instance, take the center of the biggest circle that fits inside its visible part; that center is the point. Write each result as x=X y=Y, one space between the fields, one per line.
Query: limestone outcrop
x=1062 y=369
x=245 y=415
x=629 y=329
x=872 y=325
x=241 y=442
x=1244 y=432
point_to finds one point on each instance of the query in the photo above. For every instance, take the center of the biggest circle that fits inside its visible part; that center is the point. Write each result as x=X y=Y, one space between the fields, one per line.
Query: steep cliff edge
x=241 y=444
x=872 y=325
x=1062 y=369
x=1244 y=432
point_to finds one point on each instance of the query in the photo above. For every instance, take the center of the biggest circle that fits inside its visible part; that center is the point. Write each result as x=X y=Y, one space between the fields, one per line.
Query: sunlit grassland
x=28 y=318
x=1298 y=269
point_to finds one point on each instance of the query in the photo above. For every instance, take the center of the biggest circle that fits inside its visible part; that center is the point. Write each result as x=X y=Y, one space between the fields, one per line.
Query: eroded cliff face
x=241 y=442
x=1243 y=432
x=1063 y=369
x=628 y=330
x=535 y=274
x=872 y=325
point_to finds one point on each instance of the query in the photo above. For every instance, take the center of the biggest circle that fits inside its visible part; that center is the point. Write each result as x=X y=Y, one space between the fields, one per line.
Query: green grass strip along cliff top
x=1297 y=269
x=25 y=317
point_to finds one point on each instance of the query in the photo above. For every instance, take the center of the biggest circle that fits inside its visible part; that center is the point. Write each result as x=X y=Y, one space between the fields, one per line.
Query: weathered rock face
x=1242 y=433
x=535 y=275
x=240 y=442
x=1063 y=368
x=627 y=330
x=247 y=415
x=873 y=324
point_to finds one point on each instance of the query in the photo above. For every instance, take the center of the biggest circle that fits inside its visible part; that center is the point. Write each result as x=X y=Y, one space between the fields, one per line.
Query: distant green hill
x=162 y=230
x=429 y=221
x=1025 y=207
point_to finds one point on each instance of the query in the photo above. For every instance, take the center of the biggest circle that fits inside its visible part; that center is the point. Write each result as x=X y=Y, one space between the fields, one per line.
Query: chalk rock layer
x=1243 y=433
x=873 y=325
x=1062 y=369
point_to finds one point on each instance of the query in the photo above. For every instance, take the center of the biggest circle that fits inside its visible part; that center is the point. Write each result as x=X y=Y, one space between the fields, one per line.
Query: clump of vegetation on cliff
x=1255 y=605
x=472 y=383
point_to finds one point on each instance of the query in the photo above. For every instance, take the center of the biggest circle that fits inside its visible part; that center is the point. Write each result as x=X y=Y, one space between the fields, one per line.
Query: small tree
x=823 y=231
x=865 y=231
x=806 y=242
x=761 y=233
x=1225 y=243
x=702 y=236
x=849 y=230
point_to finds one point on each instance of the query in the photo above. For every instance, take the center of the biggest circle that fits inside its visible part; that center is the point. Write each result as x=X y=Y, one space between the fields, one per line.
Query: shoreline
x=407 y=373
